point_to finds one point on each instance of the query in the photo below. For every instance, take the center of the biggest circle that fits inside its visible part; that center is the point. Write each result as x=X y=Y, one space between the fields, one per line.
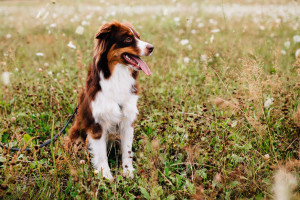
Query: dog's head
x=120 y=43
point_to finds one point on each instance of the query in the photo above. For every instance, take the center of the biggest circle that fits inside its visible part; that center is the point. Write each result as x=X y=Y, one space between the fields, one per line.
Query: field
x=219 y=115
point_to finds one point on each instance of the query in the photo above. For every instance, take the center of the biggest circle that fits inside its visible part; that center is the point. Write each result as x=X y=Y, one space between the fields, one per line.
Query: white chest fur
x=115 y=102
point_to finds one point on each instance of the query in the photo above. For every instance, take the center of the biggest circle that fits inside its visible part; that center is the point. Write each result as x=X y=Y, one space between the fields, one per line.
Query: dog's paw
x=128 y=172
x=105 y=174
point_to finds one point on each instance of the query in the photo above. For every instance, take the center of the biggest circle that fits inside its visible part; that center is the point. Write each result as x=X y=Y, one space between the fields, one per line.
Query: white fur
x=106 y=109
x=143 y=47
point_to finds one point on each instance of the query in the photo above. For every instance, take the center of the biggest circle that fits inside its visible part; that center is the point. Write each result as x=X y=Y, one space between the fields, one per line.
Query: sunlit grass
x=218 y=116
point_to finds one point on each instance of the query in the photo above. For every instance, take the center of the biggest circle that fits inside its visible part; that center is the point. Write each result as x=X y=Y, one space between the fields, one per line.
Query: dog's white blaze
x=116 y=105
x=142 y=46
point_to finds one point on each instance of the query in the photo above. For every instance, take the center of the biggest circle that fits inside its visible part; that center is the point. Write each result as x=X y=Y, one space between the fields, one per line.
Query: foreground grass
x=203 y=131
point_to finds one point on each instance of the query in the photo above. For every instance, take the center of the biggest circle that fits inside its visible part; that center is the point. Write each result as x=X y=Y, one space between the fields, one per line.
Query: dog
x=108 y=102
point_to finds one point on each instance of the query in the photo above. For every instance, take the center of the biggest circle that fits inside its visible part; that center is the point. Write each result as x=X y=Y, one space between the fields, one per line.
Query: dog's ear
x=106 y=29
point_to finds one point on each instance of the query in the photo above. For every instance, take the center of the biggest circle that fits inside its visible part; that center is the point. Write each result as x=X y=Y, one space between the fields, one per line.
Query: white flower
x=297 y=53
x=277 y=20
x=40 y=69
x=176 y=19
x=46 y=64
x=217 y=54
x=203 y=58
x=261 y=27
x=193 y=31
x=283 y=52
x=190 y=47
x=287 y=44
x=52 y=25
x=216 y=30
x=82 y=162
x=186 y=59
x=212 y=38
x=79 y=30
x=266 y=156
x=296 y=38
x=8 y=36
x=268 y=102
x=234 y=123
x=50 y=73
x=39 y=54
x=184 y=42
x=5 y=78
x=200 y=25
x=165 y=12
x=212 y=21
x=85 y=23
x=71 y=45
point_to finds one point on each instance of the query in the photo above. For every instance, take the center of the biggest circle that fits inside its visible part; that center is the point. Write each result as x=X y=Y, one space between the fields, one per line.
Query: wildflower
x=5 y=78
x=266 y=156
x=79 y=30
x=297 y=53
x=234 y=123
x=50 y=73
x=296 y=38
x=176 y=19
x=186 y=59
x=39 y=54
x=82 y=162
x=268 y=102
x=283 y=52
x=46 y=64
x=212 y=38
x=203 y=58
x=217 y=54
x=184 y=42
x=96 y=172
x=287 y=44
x=71 y=45
x=216 y=30
x=261 y=27
x=200 y=25
x=40 y=69
x=8 y=36
x=165 y=12
x=212 y=21
x=52 y=25
x=190 y=47
x=13 y=119
x=85 y=23
x=193 y=31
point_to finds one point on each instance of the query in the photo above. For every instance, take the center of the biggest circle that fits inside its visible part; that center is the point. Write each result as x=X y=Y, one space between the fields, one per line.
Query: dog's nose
x=150 y=48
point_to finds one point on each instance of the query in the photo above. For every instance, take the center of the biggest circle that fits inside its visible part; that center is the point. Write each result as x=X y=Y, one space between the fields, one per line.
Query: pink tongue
x=143 y=66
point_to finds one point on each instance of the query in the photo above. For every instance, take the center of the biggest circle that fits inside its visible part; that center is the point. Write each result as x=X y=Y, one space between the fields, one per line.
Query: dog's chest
x=115 y=101
x=119 y=86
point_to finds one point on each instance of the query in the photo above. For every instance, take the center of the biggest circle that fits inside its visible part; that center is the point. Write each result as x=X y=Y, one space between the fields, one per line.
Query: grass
x=203 y=131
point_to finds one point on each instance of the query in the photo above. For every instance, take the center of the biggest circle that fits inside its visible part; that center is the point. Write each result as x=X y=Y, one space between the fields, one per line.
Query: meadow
x=219 y=116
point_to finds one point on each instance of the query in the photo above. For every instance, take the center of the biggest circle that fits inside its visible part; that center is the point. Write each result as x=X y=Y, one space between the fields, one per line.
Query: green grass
x=203 y=130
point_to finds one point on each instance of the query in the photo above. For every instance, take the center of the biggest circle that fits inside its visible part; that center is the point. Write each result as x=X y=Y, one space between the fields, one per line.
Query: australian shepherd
x=108 y=102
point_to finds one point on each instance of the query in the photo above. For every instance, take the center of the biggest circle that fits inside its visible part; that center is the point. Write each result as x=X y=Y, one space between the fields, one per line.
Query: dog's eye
x=128 y=40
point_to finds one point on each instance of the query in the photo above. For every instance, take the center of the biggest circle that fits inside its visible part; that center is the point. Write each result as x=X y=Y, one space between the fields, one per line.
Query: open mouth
x=137 y=62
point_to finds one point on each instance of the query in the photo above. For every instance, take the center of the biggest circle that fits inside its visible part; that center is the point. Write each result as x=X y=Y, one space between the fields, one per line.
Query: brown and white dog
x=108 y=102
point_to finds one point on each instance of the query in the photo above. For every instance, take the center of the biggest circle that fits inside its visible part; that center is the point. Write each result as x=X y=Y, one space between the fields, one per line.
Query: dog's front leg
x=97 y=147
x=126 y=134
